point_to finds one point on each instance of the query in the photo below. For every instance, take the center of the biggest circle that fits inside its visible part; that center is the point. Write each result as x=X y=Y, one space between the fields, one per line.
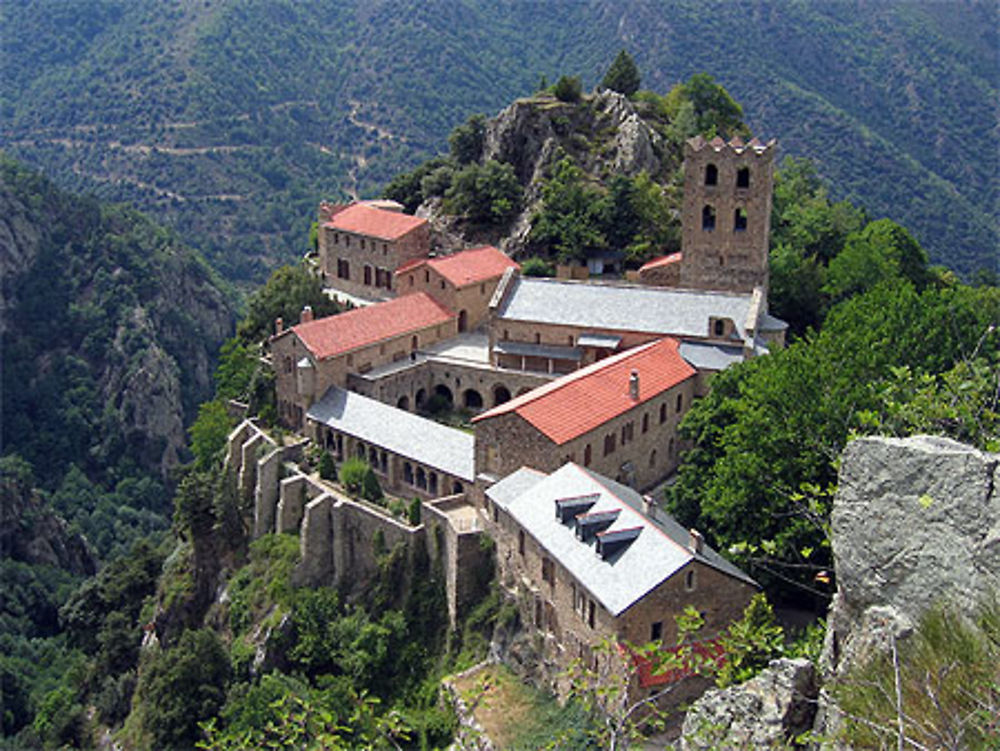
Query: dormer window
x=711 y=175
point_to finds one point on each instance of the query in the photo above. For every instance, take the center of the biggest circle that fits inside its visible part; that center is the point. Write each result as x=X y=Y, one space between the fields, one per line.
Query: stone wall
x=382 y=257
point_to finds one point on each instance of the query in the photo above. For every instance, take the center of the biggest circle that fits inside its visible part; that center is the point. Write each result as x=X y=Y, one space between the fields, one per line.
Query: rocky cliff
x=110 y=331
x=915 y=524
x=604 y=134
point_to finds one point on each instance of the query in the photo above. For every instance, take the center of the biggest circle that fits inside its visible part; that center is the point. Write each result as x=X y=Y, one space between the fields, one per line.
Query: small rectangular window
x=656 y=631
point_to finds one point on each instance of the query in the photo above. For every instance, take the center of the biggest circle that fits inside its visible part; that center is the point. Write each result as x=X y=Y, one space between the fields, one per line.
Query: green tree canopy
x=623 y=75
x=287 y=291
x=880 y=252
x=486 y=194
x=466 y=140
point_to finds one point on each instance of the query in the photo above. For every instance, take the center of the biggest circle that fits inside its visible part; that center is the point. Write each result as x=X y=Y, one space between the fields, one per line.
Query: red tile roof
x=573 y=405
x=360 y=327
x=677 y=662
x=467 y=266
x=373 y=222
x=662 y=261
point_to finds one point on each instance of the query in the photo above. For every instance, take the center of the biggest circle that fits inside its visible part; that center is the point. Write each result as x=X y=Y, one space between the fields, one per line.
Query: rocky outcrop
x=916 y=521
x=31 y=532
x=602 y=133
x=768 y=711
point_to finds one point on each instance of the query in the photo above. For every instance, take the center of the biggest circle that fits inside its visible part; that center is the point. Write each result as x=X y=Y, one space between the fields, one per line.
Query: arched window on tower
x=743 y=177
x=708 y=219
x=740 y=220
x=711 y=175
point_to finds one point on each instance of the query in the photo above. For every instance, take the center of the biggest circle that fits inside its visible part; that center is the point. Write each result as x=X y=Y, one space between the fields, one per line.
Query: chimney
x=307 y=314
x=633 y=385
x=695 y=541
x=279 y=325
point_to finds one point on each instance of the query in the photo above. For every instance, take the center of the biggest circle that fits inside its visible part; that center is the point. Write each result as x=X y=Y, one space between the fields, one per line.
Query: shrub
x=413 y=512
x=352 y=474
x=568 y=89
x=327 y=467
x=536 y=266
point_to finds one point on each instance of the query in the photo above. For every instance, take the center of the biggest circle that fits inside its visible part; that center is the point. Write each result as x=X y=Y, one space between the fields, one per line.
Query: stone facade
x=363 y=263
x=298 y=385
x=642 y=442
x=726 y=219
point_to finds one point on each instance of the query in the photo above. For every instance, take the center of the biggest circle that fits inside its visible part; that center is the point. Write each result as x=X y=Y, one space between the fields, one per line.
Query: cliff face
x=603 y=134
x=110 y=330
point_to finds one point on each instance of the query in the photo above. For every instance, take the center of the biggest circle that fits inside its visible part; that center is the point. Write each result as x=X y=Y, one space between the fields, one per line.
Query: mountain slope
x=232 y=120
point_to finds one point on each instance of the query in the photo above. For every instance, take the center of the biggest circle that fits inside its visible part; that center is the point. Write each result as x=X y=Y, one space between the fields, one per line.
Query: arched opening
x=421 y=478
x=407 y=473
x=711 y=175
x=719 y=327
x=456 y=487
x=472 y=399
x=403 y=402
x=329 y=441
x=740 y=220
x=373 y=458
x=501 y=394
x=743 y=177
x=587 y=455
x=359 y=450
x=463 y=320
x=708 y=218
x=432 y=483
x=383 y=462
x=421 y=398
x=445 y=393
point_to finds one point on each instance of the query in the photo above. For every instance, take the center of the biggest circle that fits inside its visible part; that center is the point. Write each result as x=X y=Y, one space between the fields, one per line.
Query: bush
x=413 y=512
x=352 y=474
x=370 y=488
x=536 y=266
x=568 y=89
x=327 y=467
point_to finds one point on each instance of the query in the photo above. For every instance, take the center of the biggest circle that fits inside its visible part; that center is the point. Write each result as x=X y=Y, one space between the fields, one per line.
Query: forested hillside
x=231 y=120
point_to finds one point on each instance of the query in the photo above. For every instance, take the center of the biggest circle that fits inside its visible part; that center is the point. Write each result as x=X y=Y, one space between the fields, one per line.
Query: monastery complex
x=575 y=390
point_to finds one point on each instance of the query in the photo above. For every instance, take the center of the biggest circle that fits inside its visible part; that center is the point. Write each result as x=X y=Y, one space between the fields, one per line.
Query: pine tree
x=623 y=75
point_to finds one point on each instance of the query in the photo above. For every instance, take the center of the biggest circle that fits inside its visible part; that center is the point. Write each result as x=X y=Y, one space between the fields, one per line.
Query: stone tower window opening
x=708 y=218
x=743 y=177
x=740 y=220
x=711 y=175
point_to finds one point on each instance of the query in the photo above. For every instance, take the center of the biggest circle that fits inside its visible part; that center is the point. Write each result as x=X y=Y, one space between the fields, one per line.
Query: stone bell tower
x=725 y=225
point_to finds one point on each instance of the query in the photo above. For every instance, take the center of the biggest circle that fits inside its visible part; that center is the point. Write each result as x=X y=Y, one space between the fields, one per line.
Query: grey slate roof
x=527 y=349
x=704 y=356
x=622 y=307
x=658 y=552
x=425 y=441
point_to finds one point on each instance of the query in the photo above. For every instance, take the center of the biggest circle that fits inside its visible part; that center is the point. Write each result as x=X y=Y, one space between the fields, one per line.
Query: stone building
x=557 y=326
x=463 y=281
x=411 y=455
x=726 y=217
x=309 y=358
x=592 y=560
x=618 y=416
x=362 y=244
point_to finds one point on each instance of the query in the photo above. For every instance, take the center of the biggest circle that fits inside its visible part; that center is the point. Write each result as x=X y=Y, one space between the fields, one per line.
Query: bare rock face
x=767 y=711
x=916 y=521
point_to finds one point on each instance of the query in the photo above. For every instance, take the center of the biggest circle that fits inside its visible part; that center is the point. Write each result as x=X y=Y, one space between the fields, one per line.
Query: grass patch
x=519 y=717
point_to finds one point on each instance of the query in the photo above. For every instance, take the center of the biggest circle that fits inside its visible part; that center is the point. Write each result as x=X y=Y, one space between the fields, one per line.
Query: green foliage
x=536 y=266
x=352 y=474
x=288 y=290
x=883 y=251
x=60 y=720
x=209 y=433
x=714 y=109
x=568 y=89
x=949 y=686
x=264 y=582
x=327 y=467
x=413 y=512
x=487 y=194
x=623 y=75
x=466 y=141
x=182 y=687
x=766 y=438
x=569 y=224
x=408 y=187
x=750 y=643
